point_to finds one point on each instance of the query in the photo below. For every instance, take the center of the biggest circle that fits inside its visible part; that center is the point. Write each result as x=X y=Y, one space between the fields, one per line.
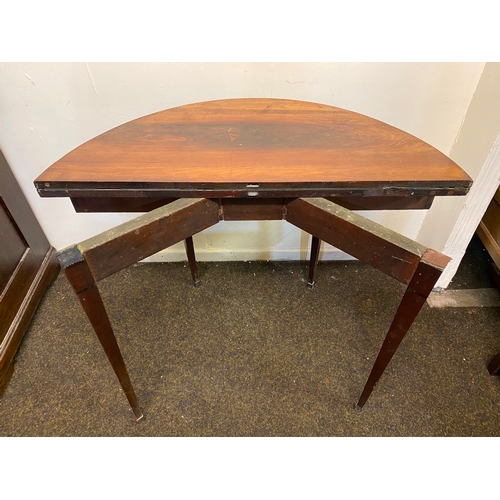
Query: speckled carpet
x=254 y=352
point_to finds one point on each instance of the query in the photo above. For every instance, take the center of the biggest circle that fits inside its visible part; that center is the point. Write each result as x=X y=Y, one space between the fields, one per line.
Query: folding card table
x=310 y=164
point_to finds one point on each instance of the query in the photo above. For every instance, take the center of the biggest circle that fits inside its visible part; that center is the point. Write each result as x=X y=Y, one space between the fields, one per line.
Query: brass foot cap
x=138 y=414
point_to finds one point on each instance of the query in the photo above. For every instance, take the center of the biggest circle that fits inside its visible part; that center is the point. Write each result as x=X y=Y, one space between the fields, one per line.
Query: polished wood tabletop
x=254 y=148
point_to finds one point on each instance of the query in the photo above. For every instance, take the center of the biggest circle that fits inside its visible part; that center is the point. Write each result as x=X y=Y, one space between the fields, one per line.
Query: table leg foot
x=138 y=413
x=313 y=260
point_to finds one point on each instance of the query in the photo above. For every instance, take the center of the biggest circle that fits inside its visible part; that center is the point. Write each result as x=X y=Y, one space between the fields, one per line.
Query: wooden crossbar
x=132 y=241
x=360 y=237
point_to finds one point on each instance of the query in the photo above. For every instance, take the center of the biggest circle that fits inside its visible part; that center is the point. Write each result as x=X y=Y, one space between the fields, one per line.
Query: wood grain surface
x=266 y=146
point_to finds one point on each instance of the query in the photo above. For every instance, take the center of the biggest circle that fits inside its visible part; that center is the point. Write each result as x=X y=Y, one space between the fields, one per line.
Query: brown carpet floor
x=253 y=352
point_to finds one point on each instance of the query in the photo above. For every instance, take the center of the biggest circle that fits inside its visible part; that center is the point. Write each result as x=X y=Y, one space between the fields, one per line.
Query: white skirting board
x=178 y=254
x=475 y=297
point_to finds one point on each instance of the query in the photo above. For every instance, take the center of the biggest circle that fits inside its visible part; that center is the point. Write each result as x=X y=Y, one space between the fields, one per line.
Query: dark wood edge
x=236 y=209
x=138 y=205
x=121 y=205
x=245 y=190
x=46 y=275
x=383 y=202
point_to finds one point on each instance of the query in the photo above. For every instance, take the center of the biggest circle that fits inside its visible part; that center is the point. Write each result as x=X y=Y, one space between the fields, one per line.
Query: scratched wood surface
x=222 y=147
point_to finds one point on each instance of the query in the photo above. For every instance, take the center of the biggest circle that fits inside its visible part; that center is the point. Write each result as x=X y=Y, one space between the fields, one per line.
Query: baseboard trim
x=49 y=269
x=239 y=255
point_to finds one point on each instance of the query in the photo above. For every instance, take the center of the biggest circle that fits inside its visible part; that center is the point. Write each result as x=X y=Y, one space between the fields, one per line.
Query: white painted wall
x=47 y=109
x=451 y=223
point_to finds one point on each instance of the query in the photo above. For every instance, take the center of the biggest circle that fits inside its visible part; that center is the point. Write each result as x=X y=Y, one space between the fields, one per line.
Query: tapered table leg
x=100 y=256
x=188 y=243
x=419 y=288
x=313 y=261
x=411 y=263
x=83 y=283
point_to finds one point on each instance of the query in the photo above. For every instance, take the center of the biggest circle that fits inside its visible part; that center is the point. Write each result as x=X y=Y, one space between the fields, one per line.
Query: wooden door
x=27 y=266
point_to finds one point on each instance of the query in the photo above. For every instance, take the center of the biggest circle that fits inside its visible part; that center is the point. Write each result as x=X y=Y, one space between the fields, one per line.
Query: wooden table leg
x=188 y=243
x=409 y=262
x=92 y=260
x=83 y=283
x=418 y=290
x=313 y=261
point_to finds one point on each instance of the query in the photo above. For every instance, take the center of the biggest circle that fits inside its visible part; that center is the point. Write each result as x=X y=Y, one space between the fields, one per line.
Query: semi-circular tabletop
x=266 y=147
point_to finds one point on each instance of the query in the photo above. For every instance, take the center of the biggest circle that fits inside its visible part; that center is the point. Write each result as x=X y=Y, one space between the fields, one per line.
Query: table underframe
x=92 y=260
